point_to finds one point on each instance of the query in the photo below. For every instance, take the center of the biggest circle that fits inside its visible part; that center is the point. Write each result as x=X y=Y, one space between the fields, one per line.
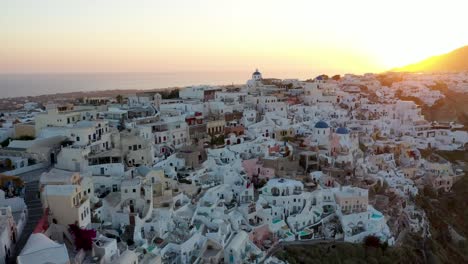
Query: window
x=134 y=190
x=77 y=138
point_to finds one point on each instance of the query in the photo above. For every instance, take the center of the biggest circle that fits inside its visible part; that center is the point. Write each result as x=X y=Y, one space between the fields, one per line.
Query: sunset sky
x=289 y=37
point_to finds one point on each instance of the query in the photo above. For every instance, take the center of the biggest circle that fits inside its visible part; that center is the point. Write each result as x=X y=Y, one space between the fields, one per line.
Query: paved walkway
x=32 y=175
x=35 y=211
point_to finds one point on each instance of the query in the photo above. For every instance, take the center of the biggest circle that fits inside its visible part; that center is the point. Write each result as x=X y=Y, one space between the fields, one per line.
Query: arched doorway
x=52 y=158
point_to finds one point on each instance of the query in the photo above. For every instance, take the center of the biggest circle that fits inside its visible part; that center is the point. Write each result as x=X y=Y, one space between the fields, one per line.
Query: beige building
x=352 y=199
x=25 y=130
x=59 y=177
x=193 y=156
x=162 y=186
x=282 y=133
x=67 y=204
x=63 y=116
x=136 y=149
x=440 y=182
x=215 y=127
x=67 y=196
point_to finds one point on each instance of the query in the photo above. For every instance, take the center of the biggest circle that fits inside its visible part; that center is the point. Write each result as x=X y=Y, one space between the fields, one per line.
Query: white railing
x=26 y=169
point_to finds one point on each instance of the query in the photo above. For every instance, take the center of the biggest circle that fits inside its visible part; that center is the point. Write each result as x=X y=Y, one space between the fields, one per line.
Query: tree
x=322 y=77
x=372 y=241
x=83 y=237
x=336 y=77
x=169 y=94
x=260 y=183
x=5 y=142
x=384 y=247
x=121 y=125
x=217 y=140
x=119 y=98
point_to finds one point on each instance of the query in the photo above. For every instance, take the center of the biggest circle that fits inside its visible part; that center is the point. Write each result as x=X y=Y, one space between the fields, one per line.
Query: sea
x=19 y=85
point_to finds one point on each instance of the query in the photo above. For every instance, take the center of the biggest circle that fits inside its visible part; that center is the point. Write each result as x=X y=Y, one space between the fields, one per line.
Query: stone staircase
x=35 y=213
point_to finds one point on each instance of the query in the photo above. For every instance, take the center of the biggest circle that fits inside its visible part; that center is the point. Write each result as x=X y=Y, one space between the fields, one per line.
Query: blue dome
x=256 y=72
x=342 y=130
x=321 y=124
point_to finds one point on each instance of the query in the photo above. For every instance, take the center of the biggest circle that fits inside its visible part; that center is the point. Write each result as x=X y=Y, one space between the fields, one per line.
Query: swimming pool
x=376 y=216
x=276 y=221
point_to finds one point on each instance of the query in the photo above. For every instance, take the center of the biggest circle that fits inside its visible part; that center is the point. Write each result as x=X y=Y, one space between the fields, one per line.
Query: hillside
x=453 y=61
x=451 y=108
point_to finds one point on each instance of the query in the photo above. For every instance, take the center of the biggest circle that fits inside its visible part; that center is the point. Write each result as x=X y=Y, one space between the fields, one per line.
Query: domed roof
x=321 y=124
x=342 y=130
x=256 y=72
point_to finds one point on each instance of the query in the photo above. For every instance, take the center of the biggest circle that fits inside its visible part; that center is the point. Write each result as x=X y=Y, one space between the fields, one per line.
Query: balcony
x=156 y=129
x=297 y=191
x=80 y=202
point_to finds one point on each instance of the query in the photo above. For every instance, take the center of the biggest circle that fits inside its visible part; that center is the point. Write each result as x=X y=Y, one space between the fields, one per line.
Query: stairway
x=35 y=213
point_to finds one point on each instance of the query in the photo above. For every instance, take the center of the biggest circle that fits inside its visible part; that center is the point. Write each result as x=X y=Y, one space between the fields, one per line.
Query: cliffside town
x=225 y=174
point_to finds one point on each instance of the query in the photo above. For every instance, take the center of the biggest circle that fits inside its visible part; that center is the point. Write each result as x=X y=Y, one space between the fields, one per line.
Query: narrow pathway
x=34 y=214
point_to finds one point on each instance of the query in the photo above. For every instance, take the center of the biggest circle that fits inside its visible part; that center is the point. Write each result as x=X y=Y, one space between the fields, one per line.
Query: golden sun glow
x=293 y=38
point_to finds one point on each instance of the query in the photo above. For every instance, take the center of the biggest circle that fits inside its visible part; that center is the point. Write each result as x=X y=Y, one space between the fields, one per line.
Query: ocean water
x=15 y=85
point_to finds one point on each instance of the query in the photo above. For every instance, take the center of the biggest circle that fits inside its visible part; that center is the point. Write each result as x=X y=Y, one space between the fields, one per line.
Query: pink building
x=262 y=237
x=254 y=168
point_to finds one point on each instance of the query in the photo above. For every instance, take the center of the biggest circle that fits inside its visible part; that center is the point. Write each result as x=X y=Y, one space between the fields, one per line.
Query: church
x=256 y=80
